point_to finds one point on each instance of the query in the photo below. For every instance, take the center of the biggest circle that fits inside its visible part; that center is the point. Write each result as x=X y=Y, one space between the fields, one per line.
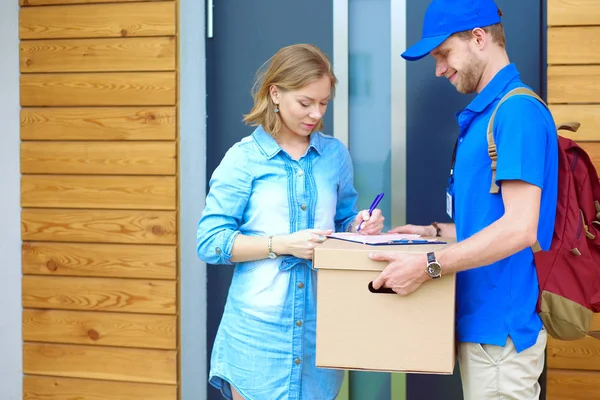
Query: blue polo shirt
x=498 y=300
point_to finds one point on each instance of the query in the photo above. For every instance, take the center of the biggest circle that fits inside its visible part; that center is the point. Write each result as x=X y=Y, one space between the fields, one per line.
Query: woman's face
x=301 y=110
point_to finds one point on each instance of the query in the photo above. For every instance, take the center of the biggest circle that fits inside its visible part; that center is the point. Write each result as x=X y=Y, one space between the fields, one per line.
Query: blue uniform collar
x=494 y=89
x=270 y=147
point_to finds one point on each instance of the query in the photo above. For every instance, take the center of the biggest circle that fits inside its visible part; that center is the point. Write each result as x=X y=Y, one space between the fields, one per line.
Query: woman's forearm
x=250 y=248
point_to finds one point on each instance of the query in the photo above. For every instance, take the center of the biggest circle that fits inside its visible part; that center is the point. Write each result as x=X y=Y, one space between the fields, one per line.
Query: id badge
x=449 y=203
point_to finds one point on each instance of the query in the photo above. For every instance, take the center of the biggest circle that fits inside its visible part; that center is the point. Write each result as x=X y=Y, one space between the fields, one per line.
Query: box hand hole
x=380 y=290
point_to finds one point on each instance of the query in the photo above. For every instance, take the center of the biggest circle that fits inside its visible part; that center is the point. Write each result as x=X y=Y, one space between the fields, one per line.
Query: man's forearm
x=496 y=242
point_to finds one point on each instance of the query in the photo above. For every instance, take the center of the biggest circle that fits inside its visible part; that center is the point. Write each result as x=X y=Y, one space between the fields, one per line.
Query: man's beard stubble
x=468 y=79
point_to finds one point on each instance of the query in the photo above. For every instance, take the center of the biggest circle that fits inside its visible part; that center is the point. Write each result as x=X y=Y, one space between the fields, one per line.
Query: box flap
x=340 y=254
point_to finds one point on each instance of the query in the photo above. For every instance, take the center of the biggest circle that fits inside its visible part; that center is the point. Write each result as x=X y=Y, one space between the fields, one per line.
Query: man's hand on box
x=423 y=230
x=404 y=273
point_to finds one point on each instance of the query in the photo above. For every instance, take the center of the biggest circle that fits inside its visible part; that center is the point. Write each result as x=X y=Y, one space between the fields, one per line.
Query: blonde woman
x=274 y=198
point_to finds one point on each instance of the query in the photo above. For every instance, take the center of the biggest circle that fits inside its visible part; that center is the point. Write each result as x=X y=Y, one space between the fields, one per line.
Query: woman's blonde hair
x=291 y=68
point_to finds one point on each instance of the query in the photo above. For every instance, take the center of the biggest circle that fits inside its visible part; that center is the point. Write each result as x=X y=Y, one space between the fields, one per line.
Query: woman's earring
x=276 y=109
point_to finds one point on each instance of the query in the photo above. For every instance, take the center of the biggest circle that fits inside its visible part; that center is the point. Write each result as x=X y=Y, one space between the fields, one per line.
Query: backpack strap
x=492 y=150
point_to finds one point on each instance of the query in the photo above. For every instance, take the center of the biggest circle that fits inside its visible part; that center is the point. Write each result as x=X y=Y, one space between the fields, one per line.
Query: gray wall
x=10 y=227
x=192 y=183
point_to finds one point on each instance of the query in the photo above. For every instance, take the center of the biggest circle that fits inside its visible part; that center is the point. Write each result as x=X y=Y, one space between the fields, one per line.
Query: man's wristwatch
x=271 y=254
x=434 y=269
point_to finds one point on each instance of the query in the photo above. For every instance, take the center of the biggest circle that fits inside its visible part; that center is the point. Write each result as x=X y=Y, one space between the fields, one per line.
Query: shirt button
x=300 y=285
x=303 y=207
x=297 y=361
x=300 y=173
x=218 y=250
x=461 y=140
x=298 y=323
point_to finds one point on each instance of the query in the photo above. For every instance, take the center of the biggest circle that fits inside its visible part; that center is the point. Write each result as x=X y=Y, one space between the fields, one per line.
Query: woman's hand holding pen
x=300 y=244
x=371 y=224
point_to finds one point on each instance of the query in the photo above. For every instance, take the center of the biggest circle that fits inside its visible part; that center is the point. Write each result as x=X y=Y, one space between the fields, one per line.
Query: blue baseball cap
x=446 y=17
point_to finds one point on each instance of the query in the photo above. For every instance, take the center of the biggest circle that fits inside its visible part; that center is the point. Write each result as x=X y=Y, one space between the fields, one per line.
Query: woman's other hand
x=300 y=244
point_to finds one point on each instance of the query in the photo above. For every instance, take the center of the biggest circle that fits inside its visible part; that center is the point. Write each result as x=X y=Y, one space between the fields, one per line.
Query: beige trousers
x=499 y=372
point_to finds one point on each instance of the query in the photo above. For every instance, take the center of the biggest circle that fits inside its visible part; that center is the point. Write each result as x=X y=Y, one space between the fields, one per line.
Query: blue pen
x=373 y=207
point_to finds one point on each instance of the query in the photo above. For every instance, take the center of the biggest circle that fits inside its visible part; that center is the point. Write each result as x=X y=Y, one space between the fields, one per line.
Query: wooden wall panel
x=27 y=3
x=110 y=123
x=92 y=55
x=573 y=56
x=99 y=191
x=85 y=294
x=98 y=89
x=100 y=260
x=51 y=388
x=100 y=328
x=115 y=192
x=573 y=12
x=98 y=20
x=99 y=226
x=586 y=114
x=99 y=158
x=581 y=354
x=96 y=362
x=571 y=45
x=574 y=84
x=570 y=385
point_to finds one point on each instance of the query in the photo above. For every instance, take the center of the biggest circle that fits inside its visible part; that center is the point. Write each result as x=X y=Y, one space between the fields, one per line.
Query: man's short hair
x=496 y=31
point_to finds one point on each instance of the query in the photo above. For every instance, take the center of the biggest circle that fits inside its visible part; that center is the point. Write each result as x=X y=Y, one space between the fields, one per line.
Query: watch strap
x=431 y=257
x=270 y=244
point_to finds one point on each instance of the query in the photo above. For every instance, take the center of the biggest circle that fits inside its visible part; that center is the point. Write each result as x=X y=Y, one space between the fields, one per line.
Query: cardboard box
x=361 y=330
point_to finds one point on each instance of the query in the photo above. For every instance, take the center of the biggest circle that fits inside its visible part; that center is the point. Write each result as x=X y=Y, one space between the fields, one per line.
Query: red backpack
x=568 y=273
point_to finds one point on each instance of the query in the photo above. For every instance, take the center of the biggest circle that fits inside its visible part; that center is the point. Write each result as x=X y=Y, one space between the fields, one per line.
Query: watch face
x=434 y=269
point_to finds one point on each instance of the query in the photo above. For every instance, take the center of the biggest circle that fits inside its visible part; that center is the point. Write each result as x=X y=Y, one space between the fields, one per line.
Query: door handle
x=209 y=19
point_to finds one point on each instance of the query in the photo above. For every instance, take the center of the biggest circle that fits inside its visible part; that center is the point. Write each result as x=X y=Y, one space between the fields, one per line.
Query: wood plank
x=51 y=388
x=98 y=328
x=114 y=192
x=595 y=323
x=98 y=89
x=573 y=12
x=119 y=364
x=586 y=114
x=101 y=260
x=583 y=354
x=27 y=3
x=574 y=45
x=98 y=55
x=570 y=385
x=99 y=158
x=574 y=84
x=109 y=123
x=98 y=20
x=99 y=226
x=100 y=294
x=593 y=150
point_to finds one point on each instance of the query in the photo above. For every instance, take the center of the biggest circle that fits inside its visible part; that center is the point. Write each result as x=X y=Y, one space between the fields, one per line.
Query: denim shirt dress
x=265 y=344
